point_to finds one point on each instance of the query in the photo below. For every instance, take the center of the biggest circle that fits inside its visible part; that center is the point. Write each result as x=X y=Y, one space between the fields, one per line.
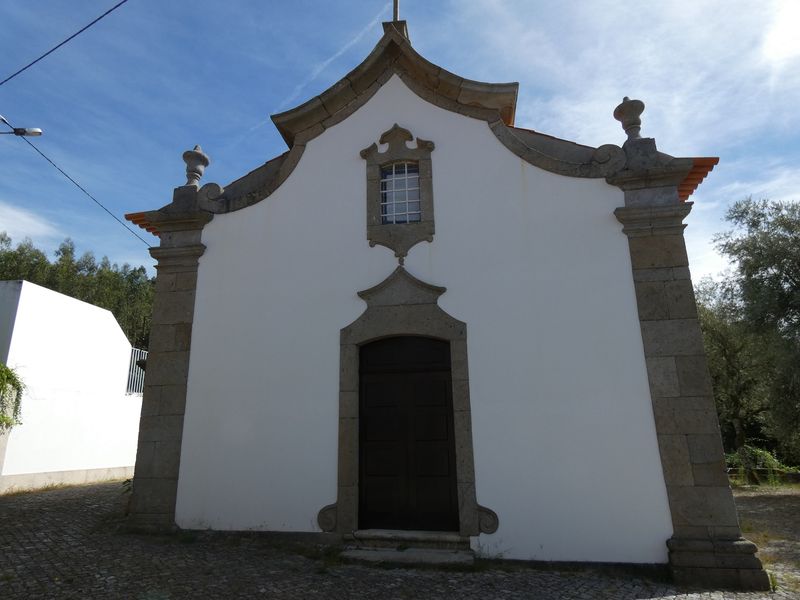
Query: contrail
x=315 y=72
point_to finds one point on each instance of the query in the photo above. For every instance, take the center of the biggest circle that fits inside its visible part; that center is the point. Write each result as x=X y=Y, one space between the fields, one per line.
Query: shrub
x=11 y=388
x=749 y=460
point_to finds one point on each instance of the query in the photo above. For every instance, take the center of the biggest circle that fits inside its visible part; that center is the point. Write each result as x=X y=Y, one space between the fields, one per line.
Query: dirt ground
x=770 y=516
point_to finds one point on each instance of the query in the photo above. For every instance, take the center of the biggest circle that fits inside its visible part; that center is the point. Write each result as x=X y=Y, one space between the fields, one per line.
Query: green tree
x=740 y=364
x=784 y=415
x=25 y=262
x=126 y=291
x=752 y=324
x=765 y=244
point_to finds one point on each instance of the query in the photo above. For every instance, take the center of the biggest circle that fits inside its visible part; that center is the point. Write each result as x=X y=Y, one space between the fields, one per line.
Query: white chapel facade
x=424 y=318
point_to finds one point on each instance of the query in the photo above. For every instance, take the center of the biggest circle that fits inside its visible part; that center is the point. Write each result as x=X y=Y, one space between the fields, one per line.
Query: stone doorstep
x=410 y=556
x=394 y=539
x=408 y=547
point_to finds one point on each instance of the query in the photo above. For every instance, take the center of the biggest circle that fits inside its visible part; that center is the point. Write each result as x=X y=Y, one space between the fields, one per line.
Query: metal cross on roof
x=396 y=10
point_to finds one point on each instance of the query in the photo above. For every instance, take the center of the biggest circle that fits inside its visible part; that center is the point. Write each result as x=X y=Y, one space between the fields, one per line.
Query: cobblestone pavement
x=65 y=543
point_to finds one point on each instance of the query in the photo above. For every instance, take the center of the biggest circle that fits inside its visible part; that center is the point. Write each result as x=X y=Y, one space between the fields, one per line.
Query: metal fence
x=135 y=372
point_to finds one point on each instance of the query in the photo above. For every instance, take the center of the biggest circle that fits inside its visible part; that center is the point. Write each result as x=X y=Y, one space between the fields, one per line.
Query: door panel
x=431 y=425
x=406 y=444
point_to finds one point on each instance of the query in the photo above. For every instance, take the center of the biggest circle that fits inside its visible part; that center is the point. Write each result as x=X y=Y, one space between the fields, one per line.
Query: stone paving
x=66 y=544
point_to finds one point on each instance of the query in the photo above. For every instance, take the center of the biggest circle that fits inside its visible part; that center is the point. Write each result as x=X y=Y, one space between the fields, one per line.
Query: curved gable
x=493 y=103
x=394 y=55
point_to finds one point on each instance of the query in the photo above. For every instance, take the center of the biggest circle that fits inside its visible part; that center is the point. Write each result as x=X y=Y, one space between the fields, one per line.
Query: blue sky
x=121 y=102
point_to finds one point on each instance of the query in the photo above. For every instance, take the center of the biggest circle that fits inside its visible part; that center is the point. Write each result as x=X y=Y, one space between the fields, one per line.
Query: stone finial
x=196 y=162
x=628 y=113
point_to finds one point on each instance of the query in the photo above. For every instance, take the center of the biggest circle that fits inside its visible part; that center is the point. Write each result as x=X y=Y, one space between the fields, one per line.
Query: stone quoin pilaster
x=179 y=225
x=707 y=547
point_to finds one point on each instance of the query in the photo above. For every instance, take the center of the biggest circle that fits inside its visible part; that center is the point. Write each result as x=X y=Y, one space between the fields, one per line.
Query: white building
x=78 y=424
x=422 y=321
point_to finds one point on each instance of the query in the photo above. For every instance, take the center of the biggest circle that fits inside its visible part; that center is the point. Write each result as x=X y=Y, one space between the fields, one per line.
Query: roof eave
x=701 y=167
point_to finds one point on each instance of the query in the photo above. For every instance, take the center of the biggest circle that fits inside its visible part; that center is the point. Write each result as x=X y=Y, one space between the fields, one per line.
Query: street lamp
x=20 y=131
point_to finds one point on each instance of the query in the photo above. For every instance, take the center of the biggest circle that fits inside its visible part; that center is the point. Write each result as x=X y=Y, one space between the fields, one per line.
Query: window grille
x=400 y=193
x=135 y=372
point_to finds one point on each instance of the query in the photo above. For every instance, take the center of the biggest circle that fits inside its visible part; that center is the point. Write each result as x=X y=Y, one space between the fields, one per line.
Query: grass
x=48 y=488
x=53 y=486
x=741 y=484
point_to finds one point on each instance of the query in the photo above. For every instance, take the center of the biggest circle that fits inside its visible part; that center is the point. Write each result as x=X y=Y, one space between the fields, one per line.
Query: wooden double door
x=407 y=467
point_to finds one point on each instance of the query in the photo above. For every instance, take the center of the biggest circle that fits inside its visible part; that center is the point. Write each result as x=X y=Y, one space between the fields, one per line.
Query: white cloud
x=781 y=183
x=773 y=178
x=718 y=79
x=697 y=66
x=19 y=223
x=782 y=41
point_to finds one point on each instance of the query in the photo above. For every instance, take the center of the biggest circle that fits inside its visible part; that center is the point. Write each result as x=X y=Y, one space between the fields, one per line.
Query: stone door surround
x=402 y=305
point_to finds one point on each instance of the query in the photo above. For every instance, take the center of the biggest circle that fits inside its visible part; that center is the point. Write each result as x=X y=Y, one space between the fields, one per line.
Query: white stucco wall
x=73 y=358
x=534 y=263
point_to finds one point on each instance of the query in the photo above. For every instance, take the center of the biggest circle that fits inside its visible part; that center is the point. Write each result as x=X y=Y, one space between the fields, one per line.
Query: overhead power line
x=78 y=185
x=81 y=188
x=74 y=35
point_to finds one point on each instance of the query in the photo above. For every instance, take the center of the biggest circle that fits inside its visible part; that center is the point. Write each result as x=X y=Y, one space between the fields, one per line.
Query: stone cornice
x=257 y=184
x=183 y=214
x=670 y=174
x=646 y=167
x=178 y=221
x=560 y=156
x=179 y=256
x=401 y=287
x=639 y=221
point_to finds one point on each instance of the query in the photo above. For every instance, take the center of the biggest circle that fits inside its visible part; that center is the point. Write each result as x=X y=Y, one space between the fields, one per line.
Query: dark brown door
x=407 y=477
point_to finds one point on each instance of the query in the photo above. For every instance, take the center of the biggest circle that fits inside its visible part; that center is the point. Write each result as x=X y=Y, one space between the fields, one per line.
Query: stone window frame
x=402 y=305
x=399 y=237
